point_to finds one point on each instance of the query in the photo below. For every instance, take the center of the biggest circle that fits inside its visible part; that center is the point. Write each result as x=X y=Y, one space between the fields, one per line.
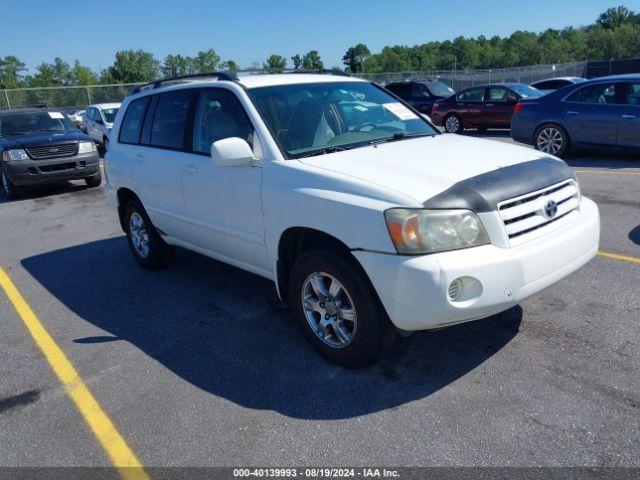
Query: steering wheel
x=363 y=125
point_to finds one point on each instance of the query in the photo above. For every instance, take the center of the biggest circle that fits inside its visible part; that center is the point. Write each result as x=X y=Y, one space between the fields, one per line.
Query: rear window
x=132 y=123
x=170 y=119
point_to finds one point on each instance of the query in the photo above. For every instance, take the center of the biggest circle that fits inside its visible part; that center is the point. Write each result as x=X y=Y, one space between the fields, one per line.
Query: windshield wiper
x=400 y=136
x=324 y=151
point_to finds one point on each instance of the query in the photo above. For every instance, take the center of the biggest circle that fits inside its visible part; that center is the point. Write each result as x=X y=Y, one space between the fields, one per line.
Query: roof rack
x=158 y=83
x=339 y=73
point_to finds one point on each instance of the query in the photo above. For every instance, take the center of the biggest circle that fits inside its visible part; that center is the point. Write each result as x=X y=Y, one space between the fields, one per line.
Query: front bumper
x=414 y=289
x=53 y=170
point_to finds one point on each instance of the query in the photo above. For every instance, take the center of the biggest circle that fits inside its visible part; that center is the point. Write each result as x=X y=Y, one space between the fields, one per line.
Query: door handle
x=628 y=117
x=571 y=112
x=191 y=169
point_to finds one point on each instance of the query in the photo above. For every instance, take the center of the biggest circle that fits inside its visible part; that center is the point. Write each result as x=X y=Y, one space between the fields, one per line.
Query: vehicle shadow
x=224 y=331
x=634 y=235
x=42 y=191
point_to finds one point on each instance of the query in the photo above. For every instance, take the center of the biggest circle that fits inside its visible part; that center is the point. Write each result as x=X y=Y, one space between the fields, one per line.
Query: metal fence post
x=88 y=96
x=6 y=95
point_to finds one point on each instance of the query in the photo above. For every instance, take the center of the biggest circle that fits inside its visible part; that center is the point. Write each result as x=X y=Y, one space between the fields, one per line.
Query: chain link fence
x=76 y=97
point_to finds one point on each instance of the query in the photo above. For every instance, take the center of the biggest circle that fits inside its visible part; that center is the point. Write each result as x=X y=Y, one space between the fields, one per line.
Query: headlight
x=16 y=154
x=86 y=147
x=428 y=231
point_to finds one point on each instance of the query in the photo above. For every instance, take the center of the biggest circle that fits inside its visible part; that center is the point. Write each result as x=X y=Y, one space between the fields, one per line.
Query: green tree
x=230 y=66
x=11 y=72
x=297 y=61
x=56 y=74
x=311 y=61
x=355 y=56
x=132 y=66
x=275 y=63
x=177 y=65
x=206 y=61
x=81 y=75
x=616 y=17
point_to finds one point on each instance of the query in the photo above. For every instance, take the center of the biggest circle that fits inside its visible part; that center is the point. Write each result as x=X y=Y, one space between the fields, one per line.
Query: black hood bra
x=482 y=193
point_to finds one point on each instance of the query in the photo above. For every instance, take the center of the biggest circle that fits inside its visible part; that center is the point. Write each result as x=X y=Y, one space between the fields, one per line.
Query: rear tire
x=148 y=248
x=351 y=328
x=8 y=188
x=552 y=139
x=453 y=124
x=93 y=181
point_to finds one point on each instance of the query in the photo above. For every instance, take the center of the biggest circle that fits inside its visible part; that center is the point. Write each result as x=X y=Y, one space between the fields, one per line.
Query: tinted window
x=526 y=91
x=401 y=90
x=498 y=94
x=420 y=91
x=633 y=94
x=170 y=119
x=600 y=93
x=218 y=115
x=109 y=114
x=473 y=95
x=132 y=123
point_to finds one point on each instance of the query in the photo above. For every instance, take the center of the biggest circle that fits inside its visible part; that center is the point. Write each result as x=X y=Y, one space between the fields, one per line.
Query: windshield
x=33 y=122
x=109 y=114
x=311 y=119
x=525 y=91
x=440 y=89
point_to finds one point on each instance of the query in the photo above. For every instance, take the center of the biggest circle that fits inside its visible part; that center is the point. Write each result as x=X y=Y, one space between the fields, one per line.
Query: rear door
x=591 y=113
x=629 y=122
x=470 y=106
x=158 y=163
x=498 y=107
x=421 y=99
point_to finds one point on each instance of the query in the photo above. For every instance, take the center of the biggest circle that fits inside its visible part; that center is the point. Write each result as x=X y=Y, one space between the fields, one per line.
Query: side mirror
x=231 y=152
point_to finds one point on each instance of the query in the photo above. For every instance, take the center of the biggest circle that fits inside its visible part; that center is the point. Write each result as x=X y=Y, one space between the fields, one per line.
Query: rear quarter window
x=132 y=123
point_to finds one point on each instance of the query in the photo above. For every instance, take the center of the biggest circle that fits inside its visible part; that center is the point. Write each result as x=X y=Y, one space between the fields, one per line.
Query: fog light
x=455 y=289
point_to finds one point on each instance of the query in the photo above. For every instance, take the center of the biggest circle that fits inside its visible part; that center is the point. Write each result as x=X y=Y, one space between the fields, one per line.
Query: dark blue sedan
x=600 y=112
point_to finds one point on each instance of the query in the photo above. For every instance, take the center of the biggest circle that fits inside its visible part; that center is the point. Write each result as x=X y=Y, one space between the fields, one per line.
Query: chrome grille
x=53 y=151
x=537 y=213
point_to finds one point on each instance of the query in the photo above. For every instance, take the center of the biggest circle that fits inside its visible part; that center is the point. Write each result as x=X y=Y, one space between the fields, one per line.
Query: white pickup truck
x=370 y=221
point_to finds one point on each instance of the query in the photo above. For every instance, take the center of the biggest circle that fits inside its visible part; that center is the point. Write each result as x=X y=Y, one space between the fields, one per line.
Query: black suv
x=421 y=95
x=39 y=146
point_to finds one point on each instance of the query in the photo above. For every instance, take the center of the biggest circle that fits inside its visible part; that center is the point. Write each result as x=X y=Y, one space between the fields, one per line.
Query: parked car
x=43 y=146
x=482 y=107
x=369 y=221
x=549 y=85
x=421 y=95
x=603 y=112
x=75 y=115
x=97 y=121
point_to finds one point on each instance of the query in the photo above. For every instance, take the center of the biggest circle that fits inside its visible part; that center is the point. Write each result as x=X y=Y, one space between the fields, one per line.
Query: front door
x=223 y=204
x=470 y=106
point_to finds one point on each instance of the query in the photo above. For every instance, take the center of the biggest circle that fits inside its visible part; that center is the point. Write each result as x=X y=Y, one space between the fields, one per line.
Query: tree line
x=615 y=34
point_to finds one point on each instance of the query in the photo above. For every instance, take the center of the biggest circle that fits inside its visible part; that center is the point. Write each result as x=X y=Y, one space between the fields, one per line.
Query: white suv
x=97 y=121
x=370 y=222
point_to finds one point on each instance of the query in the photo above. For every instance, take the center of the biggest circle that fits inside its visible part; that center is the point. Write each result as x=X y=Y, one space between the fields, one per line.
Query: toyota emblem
x=550 y=209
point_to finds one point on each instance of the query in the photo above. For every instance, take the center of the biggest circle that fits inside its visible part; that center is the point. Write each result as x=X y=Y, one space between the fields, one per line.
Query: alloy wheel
x=452 y=125
x=550 y=140
x=329 y=309
x=139 y=235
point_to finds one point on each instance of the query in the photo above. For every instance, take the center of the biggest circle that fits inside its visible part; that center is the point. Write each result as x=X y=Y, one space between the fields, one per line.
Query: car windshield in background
x=109 y=114
x=440 y=89
x=34 y=122
x=311 y=119
x=526 y=91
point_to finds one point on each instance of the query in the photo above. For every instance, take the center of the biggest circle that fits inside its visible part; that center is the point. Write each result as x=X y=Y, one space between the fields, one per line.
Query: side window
x=420 y=91
x=219 y=115
x=90 y=113
x=498 y=94
x=633 y=94
x=472 y=95
x=170 y=119
x=132 y=123
x=601 y=93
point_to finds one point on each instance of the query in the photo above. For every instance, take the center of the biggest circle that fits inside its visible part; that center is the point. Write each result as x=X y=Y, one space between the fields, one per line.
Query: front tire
x=93 y=181
x=148 y=248
x=338 y=310
x=552 y=139
x=8 y=188
x=453 y=124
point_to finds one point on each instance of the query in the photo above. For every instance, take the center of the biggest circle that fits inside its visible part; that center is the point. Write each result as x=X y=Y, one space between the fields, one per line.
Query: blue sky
x=248 y=31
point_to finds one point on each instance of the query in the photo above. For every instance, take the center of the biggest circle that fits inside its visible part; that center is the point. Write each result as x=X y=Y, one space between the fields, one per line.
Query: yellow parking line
x=617 y=256
x=103 y=428
x=607 y=172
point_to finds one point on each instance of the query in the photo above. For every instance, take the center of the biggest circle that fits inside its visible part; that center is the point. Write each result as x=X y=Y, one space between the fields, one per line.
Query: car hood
x=42 y=138
x=424 y=167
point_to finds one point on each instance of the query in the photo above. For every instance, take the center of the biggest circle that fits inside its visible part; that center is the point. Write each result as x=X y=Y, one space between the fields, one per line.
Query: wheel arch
x=554 y=123
x=125 y=195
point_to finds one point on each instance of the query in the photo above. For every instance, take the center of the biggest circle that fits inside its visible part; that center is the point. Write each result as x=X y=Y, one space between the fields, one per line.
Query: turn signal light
x=519 y=106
